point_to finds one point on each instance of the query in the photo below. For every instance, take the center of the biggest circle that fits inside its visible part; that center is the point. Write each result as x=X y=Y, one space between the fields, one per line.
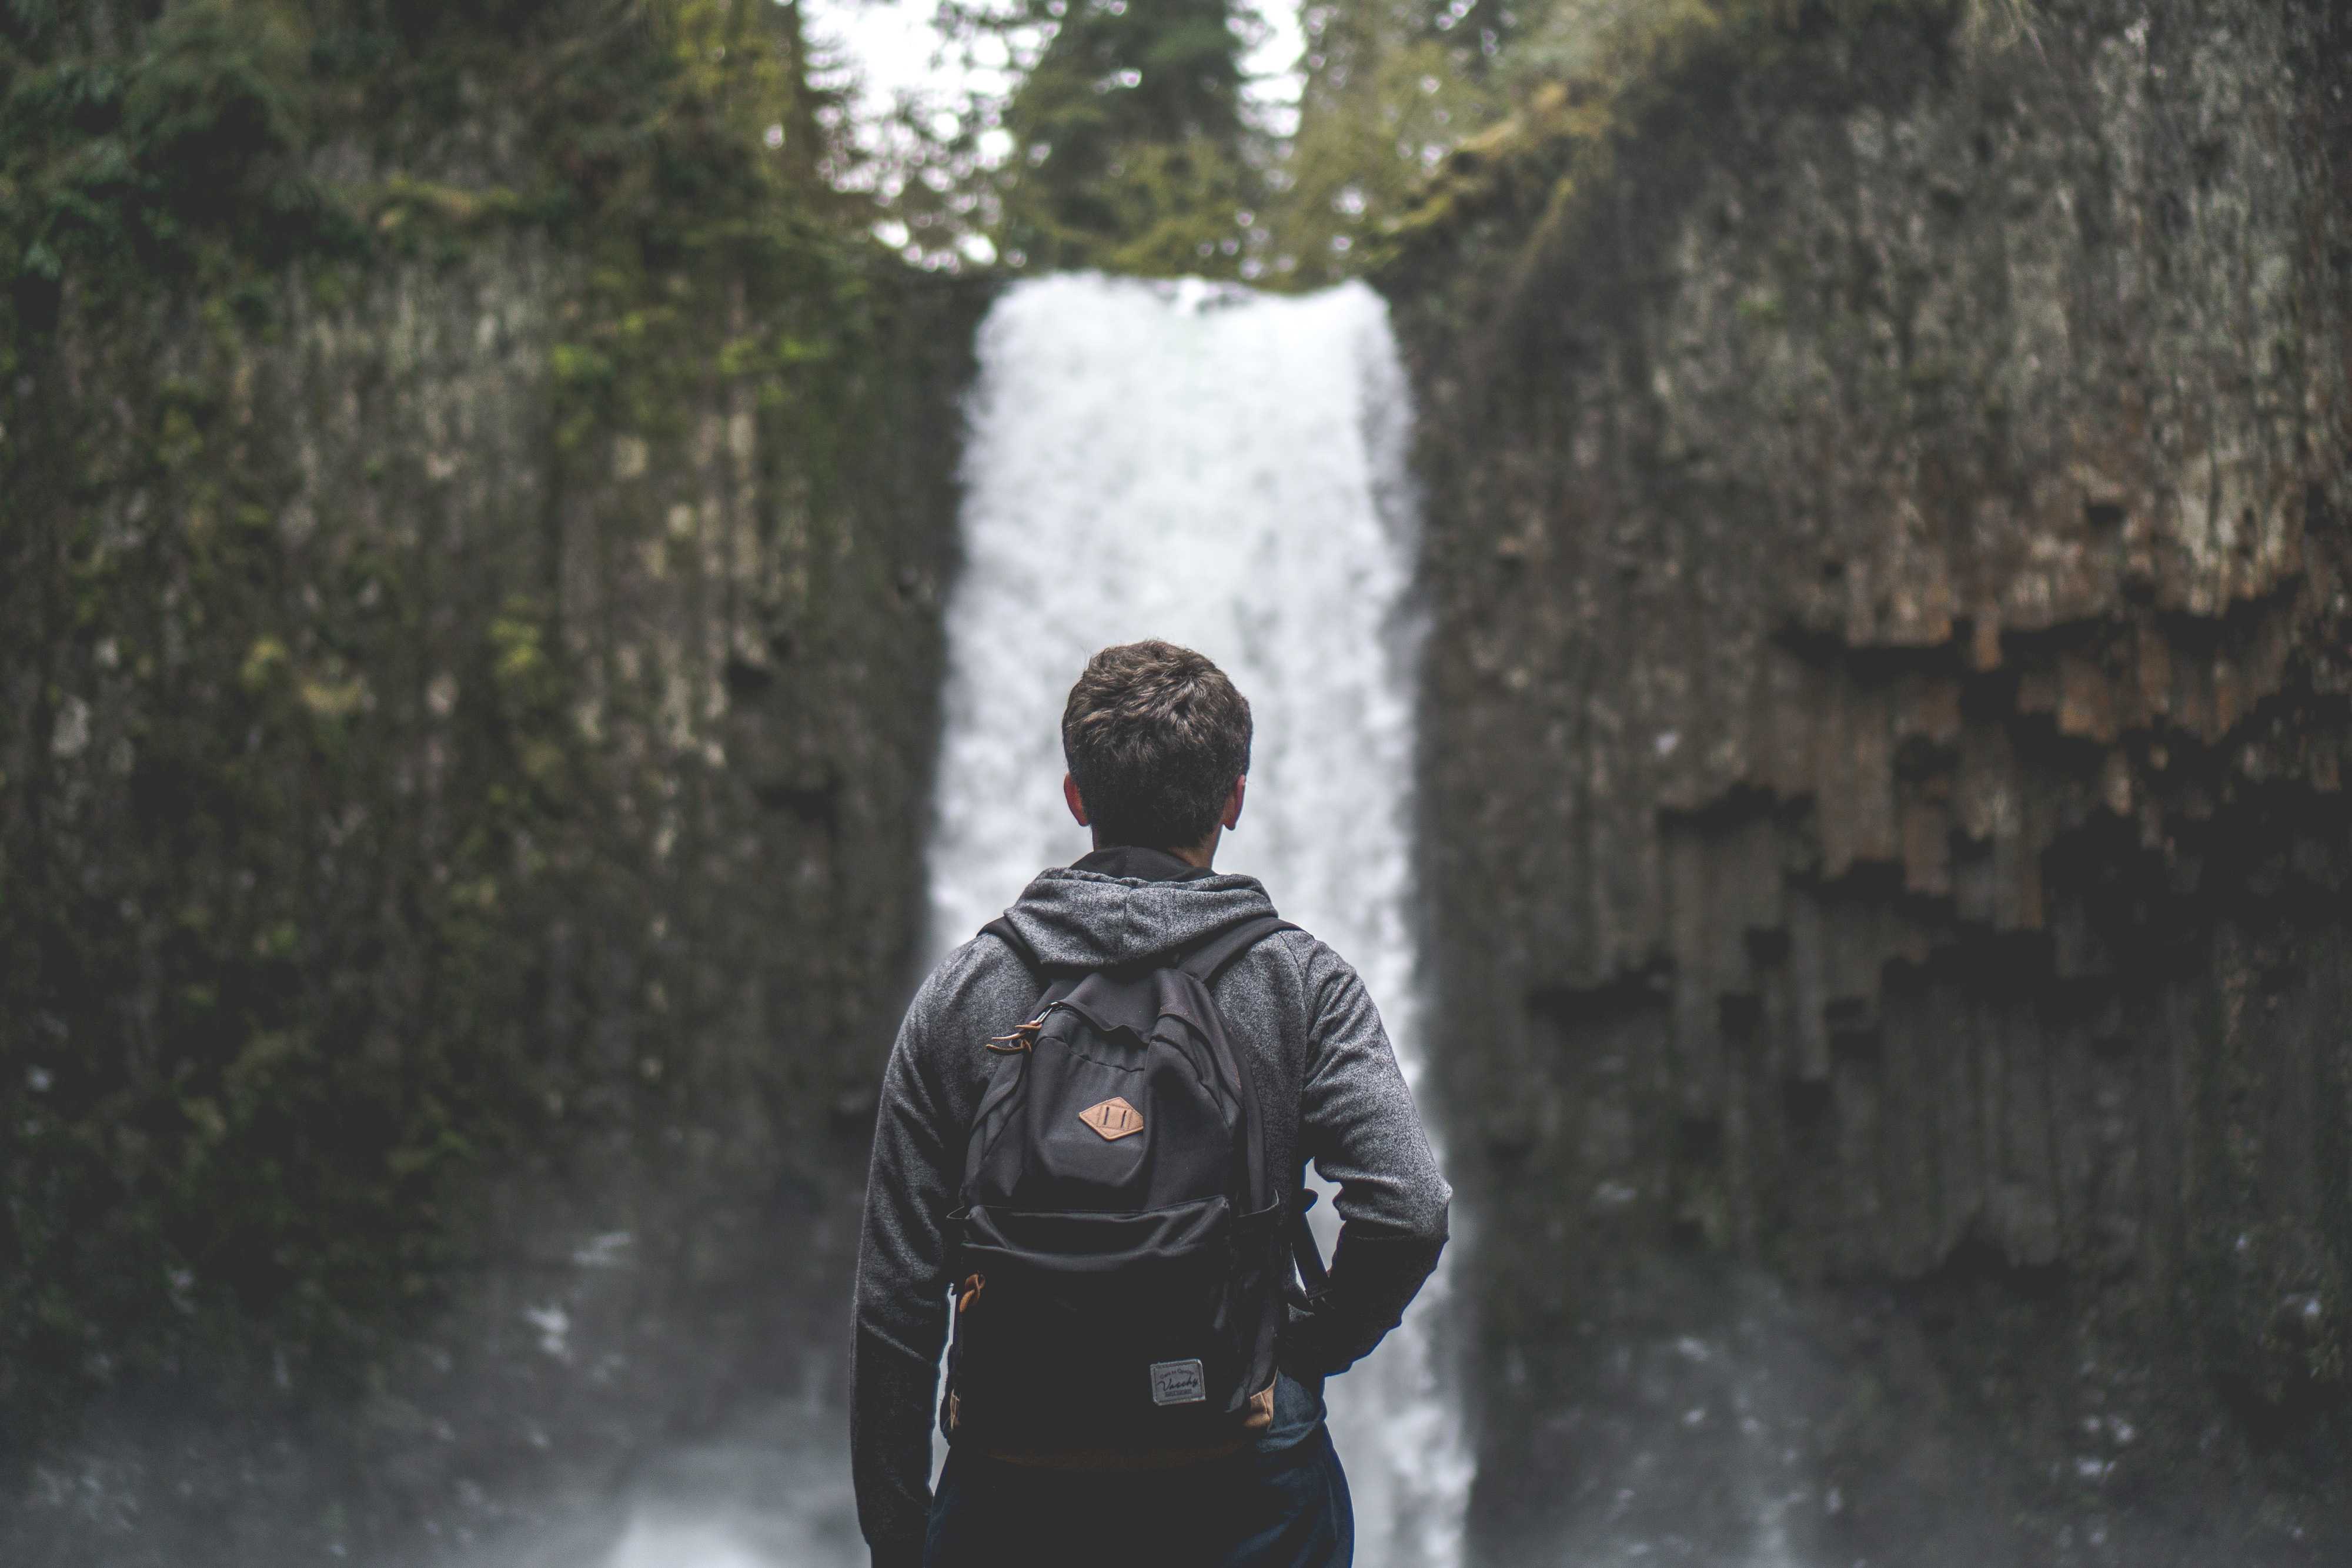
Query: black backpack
x=1119 y=1263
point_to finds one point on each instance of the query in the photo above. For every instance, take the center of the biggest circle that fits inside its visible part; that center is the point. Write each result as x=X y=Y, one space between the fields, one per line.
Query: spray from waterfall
x=1224 y=470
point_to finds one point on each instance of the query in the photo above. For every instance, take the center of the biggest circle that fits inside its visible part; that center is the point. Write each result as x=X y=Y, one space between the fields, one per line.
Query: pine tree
x=1391 y=85
x=1128 y=142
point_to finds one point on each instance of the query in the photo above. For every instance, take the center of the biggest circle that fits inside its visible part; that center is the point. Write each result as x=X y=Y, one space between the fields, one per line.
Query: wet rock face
x=462 y=812
x=1888 y=720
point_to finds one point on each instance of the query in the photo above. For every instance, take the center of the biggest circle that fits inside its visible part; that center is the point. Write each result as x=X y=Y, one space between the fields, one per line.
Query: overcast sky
x=891 y=45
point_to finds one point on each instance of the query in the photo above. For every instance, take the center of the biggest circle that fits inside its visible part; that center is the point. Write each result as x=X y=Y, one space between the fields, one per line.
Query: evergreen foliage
x=1388 y=93
x=1129 y=148
x=1414 y=112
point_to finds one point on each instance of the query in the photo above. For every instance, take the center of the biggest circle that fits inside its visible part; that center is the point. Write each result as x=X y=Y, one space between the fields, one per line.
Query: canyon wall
x=1889 y=518
x=468 y=619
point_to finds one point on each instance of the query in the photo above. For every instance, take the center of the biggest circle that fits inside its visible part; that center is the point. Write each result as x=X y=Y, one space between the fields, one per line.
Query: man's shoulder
x=960 y=961
x=975 y=985
x=1297 y=974
x=1316 y=960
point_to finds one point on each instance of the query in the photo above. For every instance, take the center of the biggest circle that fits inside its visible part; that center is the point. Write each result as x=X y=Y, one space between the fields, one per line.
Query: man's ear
x=1077 y=802
x=1232 y=817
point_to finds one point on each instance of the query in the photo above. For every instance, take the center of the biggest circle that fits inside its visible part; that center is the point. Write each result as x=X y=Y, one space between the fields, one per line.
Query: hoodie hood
x=1085 y=919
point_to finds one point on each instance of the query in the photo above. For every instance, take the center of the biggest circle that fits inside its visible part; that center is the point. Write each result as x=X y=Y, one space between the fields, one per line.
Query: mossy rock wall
x=1888 y=493
x=469 y=668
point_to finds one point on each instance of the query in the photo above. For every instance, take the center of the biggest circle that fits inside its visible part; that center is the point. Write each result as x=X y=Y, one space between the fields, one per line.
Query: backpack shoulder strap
x=1211 y=959
x=1048 y=974
x=1002 y=929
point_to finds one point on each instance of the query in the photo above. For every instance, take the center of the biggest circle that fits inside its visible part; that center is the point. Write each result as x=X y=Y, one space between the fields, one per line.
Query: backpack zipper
x=1022 y=1037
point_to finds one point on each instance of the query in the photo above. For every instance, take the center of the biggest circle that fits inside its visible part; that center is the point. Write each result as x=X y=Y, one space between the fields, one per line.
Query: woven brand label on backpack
x=1178 y=1383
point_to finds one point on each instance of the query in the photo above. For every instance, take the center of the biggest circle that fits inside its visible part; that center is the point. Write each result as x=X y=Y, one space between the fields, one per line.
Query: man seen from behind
x=1089 y=1160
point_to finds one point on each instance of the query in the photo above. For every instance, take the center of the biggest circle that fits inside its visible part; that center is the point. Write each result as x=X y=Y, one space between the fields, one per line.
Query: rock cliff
x=1886 y=471
x=468 y=624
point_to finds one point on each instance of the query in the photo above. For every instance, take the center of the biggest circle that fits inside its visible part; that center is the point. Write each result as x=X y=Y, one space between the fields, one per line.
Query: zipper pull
x=1022 y=1037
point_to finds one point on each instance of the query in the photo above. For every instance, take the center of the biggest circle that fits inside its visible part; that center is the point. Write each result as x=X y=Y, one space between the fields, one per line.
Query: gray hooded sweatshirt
x=1321 y=1062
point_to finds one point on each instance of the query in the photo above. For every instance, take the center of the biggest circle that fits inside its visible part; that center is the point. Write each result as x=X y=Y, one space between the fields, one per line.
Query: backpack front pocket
x=1100 y=1329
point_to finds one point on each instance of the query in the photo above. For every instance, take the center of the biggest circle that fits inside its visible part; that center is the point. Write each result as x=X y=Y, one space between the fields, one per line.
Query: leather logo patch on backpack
x=1114 y=1119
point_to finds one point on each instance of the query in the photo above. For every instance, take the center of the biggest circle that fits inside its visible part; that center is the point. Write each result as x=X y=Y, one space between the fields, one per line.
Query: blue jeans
x=1282 y=1505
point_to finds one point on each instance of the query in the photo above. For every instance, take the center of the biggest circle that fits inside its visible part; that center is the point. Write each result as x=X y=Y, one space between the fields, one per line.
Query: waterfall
x=1225 y=470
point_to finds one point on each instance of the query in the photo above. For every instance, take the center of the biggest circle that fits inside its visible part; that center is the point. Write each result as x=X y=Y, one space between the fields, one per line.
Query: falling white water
x=1224 y=470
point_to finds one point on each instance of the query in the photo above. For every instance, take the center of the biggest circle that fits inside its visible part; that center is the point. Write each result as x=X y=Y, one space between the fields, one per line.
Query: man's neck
x=1147 y=865
x=1201 y=856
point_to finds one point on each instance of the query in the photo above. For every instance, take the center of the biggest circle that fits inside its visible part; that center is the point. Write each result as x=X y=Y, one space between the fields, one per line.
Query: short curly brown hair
x=1155 y=736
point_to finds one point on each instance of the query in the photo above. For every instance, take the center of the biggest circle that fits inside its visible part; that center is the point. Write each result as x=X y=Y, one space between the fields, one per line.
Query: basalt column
x=1887 y=719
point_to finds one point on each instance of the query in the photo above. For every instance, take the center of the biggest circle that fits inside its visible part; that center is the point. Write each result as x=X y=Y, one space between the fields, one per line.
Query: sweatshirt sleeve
x=1359 y=1127
x=901 y=1306
x=1358 y=1122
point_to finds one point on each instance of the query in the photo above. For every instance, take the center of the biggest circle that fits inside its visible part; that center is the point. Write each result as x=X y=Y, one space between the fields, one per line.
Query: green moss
x=179 y=156
x=1634 y=70
x=452 y=204
x=279 y=1011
